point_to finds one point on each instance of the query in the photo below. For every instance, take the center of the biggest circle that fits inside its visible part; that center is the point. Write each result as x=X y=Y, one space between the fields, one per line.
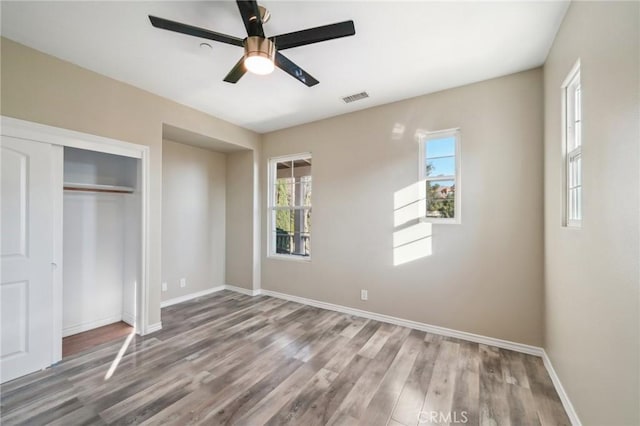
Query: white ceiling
x=400 y=50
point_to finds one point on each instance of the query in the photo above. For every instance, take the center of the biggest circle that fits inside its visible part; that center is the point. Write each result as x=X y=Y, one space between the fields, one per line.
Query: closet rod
x=98 y=188
x=113 y=191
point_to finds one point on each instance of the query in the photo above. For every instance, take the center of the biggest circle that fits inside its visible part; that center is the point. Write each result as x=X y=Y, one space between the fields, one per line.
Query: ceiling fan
x=261 y=53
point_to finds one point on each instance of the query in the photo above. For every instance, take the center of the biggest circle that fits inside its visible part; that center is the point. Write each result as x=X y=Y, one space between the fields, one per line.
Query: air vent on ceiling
x=355 y=97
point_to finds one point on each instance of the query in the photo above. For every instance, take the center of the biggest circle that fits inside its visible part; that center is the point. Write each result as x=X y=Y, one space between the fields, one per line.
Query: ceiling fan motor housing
x=258 y=46
x=265 y=15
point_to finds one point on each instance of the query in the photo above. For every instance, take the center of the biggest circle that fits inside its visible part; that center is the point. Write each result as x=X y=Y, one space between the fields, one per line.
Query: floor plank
x=381 y=405
x=439 y=399
x=409 y=405
x=80 y=342
x=232 y=359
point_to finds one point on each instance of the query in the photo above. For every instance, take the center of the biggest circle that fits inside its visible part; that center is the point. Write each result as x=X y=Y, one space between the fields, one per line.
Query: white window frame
x=272 y=175
x=572 y=148
x=424 y=139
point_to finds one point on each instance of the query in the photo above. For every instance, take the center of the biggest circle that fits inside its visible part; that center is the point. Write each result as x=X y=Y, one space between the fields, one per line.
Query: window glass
x=290 y=205
x=440 y=172
x=572 y=95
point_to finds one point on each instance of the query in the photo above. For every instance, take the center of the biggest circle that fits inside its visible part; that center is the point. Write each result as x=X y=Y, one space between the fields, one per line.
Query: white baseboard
x=129 y=319
x=191 y=296
x=242 y=290
x=566 y=402
x=152 y=328
x=75 y=329
x=476 y=338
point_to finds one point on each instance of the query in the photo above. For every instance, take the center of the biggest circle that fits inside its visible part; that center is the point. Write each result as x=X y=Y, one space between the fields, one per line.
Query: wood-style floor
x=80 y=342
x=235 y=359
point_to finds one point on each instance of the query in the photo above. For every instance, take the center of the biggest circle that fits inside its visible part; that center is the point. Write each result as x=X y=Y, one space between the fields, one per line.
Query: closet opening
x=102 y=237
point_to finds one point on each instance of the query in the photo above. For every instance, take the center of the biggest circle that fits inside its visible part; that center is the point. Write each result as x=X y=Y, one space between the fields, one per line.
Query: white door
x=26 y=284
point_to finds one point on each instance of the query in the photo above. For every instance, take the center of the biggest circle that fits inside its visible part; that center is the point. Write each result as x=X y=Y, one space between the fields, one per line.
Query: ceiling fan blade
x=178 y=27
x=294 y=71
x=314 y=35
x=251 y=17
x=236 y=72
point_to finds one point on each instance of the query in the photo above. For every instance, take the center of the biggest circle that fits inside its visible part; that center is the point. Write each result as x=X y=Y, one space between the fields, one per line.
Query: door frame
x=59 y=137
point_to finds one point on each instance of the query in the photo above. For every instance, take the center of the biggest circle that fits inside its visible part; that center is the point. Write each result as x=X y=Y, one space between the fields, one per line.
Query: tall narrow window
x=290 y=206
x=572 y=94
x=440 y=170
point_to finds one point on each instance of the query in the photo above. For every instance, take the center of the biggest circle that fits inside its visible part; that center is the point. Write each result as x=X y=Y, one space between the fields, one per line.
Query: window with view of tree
x=440 y=170
x=572 y=95
x=290 y=206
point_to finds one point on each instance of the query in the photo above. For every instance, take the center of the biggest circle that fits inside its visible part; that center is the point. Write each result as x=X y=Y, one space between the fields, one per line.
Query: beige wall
x=193 y=218
x=240 y=211
x=43 y=89
x=592 y=275
x=485 y=275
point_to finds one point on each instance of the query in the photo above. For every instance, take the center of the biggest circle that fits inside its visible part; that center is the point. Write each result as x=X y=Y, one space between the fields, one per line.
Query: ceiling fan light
x=259 y=65
x=259 y=54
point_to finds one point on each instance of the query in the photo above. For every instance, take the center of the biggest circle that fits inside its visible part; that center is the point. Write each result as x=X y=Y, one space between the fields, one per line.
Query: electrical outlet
x=164 y=286
x=364 y=295
x=183 y=282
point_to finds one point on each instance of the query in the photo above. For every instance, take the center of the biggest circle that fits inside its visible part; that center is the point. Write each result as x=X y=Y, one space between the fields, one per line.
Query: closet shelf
x=91 y=187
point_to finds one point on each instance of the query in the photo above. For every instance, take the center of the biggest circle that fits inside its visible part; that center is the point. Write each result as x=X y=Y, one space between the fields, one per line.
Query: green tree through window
x=440 y=174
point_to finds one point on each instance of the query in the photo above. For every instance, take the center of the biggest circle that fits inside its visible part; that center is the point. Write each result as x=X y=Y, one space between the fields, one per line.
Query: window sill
x=290 y=258
x=573 y=226
x=436 y=221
